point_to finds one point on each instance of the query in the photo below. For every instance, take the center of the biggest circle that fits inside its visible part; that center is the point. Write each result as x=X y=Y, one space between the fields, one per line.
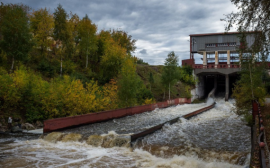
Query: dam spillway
x=215 y=138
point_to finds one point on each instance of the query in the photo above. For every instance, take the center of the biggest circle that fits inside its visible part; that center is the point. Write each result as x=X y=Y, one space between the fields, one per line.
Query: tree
x=111 y=58
x=73 y=34
x=253 y=15
x=151 y=80
x=128 y=84
x=87 y=34
x=186 y=75
x=16 y=41
x=60 y=30
x=249 y=87
x=124 y=40
x=140 y=61
x=42 y=24
x=170 y=71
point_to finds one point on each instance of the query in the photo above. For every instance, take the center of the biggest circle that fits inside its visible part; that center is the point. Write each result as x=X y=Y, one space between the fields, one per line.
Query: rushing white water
x=138 y=122
x=214 y=139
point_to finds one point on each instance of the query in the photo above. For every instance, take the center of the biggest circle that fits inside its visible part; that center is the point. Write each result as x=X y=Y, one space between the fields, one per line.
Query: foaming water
x=217 y=135
x=138 y=122
x=214 y=139
x=41 y=153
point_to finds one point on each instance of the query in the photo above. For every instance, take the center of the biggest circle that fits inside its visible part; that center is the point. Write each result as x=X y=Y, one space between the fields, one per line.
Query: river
x=216 y=138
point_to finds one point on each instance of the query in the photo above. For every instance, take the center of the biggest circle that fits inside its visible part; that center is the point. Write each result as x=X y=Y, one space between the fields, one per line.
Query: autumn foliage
x=39 y=99
x=59 y=65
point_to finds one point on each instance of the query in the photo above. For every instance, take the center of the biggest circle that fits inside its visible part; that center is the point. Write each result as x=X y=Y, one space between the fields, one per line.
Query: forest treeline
x=56 y=64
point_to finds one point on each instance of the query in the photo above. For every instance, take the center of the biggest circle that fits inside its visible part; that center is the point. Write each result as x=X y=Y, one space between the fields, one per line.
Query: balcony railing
x=213 y=66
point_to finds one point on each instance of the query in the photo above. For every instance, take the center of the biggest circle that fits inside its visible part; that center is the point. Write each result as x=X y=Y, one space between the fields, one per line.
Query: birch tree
x=88 y=39
x=60 y=30
x=170 y=71
x=42 y=24
x=252 y=15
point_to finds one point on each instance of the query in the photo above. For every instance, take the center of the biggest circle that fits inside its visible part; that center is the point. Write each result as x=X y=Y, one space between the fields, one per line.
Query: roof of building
x=223 y=33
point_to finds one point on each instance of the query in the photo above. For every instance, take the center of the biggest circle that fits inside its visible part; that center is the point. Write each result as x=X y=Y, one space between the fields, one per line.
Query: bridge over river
x=215 y=138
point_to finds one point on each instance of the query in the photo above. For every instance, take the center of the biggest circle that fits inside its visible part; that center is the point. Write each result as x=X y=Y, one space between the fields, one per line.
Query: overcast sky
x=159 y=26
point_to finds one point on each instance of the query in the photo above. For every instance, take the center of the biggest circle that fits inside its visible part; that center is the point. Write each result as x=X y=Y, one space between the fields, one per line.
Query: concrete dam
x=220 y=62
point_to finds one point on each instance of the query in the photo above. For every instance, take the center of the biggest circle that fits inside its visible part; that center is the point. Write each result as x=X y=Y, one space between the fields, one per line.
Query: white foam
x=148 y=160
x=40 y=153
x=35 y=131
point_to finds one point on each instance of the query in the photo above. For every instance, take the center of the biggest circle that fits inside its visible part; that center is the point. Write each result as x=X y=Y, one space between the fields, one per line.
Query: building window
x=231 y=44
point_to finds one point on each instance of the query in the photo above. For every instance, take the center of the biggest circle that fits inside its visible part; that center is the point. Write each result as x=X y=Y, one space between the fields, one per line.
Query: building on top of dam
x=220 y=57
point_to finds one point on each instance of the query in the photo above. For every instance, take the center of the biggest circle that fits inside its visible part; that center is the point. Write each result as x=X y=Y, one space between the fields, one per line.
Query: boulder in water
x=95 y=140
x=28 y=126
x=39 y=124
x=16 y=129
x=71 y=137
x=3 y=128
x=122 y=141
x=54 y=137
x=108 y=140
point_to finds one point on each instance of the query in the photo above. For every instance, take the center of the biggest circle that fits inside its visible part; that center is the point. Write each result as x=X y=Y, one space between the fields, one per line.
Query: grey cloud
x=143 y=51
x=158 y=26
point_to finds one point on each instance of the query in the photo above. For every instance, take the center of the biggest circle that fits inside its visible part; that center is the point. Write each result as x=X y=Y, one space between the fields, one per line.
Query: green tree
x=128 y=84
x=60 y=30
x=250 y=87
x=124 y=40
x=253 y=15
x=151 y=80
x=73 y=41
x=42 y=24
x=87 y=34
x=140 y=61
x=170 y=71
x=112 y=57
x=16 y=41
x=186 y=75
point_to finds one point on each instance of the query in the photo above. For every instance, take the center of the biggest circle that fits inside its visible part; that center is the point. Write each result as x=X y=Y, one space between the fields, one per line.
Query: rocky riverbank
x=18 y=126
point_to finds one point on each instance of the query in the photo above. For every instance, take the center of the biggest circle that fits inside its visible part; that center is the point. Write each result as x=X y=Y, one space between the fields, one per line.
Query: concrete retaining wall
x=60 y=123
x=198 y=91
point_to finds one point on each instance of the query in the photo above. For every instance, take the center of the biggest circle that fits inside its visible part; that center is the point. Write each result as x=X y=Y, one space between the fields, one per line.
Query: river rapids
x=216 y=138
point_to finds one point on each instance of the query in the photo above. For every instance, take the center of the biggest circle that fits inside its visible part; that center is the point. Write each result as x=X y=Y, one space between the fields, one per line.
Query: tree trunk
x=12 y=65
x=169 y=91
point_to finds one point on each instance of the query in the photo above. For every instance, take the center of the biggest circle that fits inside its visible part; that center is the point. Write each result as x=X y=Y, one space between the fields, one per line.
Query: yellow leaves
x=149 y=101
x=60 y=97
x=42 y=24
x=110 y=100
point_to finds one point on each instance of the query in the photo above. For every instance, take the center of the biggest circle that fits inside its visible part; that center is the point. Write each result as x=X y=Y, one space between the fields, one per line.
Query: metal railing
x=213 y=66
x=263 y=147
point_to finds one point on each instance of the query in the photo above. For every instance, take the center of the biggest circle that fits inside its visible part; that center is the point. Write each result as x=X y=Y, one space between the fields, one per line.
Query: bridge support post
x=227 y=88
x=228 y=58
x=216 y=59
x=204 y=60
